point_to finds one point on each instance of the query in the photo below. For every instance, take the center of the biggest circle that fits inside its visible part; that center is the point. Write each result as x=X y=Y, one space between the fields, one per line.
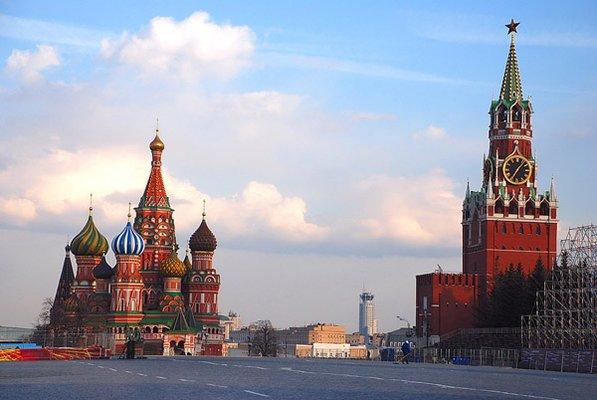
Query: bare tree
x=263 y=340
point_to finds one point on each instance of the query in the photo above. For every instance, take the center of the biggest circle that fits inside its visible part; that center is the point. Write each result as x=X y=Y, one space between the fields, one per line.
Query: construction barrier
x=54 y=353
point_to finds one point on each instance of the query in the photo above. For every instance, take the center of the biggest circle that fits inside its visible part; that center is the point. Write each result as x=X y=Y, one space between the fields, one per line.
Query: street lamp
x=404 y=320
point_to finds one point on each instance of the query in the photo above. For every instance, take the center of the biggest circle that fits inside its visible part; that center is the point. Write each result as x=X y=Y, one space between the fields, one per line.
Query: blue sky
x=333 y=141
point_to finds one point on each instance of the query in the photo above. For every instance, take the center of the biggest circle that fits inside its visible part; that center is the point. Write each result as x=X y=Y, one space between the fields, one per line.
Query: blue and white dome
x=128 y=242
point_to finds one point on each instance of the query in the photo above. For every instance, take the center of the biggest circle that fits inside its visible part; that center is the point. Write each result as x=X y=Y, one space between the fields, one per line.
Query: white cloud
x=190 y=49
x=420 y=210
x=60 y=182
x=28 y=65
x=19 y=211
x=432 y=132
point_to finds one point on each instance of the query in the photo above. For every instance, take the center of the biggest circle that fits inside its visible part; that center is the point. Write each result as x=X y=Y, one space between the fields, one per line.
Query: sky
x=331 y=140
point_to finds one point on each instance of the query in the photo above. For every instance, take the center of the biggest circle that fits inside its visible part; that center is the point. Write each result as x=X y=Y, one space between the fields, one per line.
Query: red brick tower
x=509 y=222
x=127 y=282
x=204 y=281
x=154 y=222
x=203 y=286
x=89 y=246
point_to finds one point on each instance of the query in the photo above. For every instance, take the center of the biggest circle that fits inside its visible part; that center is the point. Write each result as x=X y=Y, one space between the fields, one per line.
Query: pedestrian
x=405 y=351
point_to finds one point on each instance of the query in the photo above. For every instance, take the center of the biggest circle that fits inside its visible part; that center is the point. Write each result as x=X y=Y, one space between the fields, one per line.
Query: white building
x=330 y=350
x=367 y=321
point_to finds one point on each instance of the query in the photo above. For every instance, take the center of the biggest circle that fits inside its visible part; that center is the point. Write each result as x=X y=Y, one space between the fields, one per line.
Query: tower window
x=499 y=207
x=544 y=208
x=513 y=208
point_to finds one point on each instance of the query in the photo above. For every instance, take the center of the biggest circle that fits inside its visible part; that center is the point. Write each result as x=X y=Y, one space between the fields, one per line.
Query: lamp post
x=404 y=320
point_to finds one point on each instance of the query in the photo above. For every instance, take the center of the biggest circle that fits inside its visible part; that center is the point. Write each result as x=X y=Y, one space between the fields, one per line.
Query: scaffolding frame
x=566 y=316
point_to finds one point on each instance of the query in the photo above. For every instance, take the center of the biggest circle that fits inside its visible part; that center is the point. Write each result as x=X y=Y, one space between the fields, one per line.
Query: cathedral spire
x=154 y=195
x=67 y=277
x=511 y=84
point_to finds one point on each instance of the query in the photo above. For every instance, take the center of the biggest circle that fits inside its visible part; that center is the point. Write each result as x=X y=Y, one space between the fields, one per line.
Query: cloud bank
x=192 y=48
x=29 y=65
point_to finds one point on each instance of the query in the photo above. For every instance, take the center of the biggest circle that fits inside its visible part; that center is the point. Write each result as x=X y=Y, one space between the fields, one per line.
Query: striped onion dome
x=103 y=270
x=172 y=267
x=89 y=242
x=128 y=242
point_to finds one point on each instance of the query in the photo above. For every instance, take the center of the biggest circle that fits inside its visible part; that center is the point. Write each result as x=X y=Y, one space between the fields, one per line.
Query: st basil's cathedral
x=169 y=303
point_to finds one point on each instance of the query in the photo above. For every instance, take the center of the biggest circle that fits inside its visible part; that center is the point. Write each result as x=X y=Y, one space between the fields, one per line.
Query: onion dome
x=187 y=262
x=172 y=267
x=203 y=239
x=103 y=270
x=128 y=242
x=156 y=143
x=89 y=242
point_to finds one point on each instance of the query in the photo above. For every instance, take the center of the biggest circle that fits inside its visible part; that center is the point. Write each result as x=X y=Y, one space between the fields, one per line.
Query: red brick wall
x=451 y=302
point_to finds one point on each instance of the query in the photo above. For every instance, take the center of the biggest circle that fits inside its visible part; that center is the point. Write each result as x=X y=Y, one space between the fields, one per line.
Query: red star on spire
x=512 y=26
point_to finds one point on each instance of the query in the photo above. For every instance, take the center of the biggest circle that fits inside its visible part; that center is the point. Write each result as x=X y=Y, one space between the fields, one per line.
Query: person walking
x=405 y=351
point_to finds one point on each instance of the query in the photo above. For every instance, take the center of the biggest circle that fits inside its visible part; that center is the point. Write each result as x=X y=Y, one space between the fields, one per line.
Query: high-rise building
x=507 y=222
x=367 y=321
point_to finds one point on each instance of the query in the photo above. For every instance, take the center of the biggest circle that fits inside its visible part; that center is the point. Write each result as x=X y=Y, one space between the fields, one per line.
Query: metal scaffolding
x=566 y=315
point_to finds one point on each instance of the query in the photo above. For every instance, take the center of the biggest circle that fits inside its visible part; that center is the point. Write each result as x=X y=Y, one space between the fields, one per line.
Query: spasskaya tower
x=509 y=221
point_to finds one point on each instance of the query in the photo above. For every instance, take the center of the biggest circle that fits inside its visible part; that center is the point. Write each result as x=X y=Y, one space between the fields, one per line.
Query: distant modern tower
x=367 y=321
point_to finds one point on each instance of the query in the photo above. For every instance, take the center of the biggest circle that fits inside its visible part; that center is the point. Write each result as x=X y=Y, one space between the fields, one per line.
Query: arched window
x=521 y=229
x=504 y=230
x=530 y=208
x=499 y=206
x=517 y=114
x=513 y=208
x=538 y=230
x=155 y=329
x=544 y=208
x=147 y=329
x=502 y=117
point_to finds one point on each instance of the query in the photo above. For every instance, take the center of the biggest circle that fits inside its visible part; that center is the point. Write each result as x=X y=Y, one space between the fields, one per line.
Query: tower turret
x=88 y=246
x=64 y=288
x=127 y=283
x=155 y=224
x=172 y=270
x=204 y=281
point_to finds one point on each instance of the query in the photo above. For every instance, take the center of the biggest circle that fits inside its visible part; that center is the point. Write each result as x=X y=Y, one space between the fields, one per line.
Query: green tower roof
x=511 y=84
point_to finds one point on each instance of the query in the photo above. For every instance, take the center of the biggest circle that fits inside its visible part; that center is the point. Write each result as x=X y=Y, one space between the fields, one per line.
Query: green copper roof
x=89 y=242
x=511 y=85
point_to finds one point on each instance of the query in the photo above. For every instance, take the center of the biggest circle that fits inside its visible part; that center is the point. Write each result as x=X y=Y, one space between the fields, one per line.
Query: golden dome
x=172 y=267
x=156 y=143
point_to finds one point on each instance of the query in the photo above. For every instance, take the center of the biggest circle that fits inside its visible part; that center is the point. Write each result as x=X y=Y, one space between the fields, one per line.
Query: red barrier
x=54 y=353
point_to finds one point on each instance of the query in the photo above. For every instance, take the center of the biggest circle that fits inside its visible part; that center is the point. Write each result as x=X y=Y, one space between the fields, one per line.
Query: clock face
x=517 y=170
